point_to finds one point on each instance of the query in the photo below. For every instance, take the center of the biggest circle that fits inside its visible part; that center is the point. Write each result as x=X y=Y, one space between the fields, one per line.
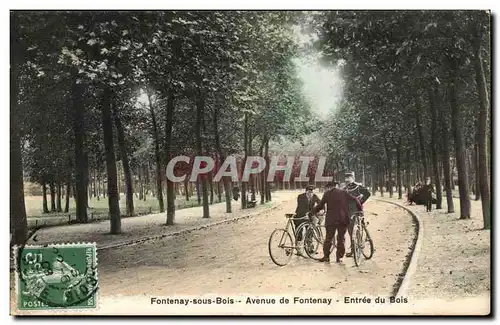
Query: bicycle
x=288 y=243
x=315 y=239
x=360 y=239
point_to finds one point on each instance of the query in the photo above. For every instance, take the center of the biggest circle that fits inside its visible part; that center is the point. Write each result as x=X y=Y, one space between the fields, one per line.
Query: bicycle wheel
x=356 y=245
x=367 y=244
x=300 y=232
x=314 y=241
x=281 y=247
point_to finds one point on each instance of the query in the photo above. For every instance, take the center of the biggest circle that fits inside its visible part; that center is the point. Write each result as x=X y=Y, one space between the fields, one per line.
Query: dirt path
x=232 y=259
x=151 y=225
x=454 y=263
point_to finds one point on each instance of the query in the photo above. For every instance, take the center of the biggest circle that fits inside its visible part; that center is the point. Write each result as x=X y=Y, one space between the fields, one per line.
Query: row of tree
x=90 y=89
x=416 y=98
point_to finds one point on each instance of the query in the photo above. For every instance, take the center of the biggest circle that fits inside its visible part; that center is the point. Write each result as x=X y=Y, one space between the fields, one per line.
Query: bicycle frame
x=358 y=217
x=290 y=225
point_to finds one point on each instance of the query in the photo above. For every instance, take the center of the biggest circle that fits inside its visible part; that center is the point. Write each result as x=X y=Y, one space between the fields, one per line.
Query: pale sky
x=322 y=85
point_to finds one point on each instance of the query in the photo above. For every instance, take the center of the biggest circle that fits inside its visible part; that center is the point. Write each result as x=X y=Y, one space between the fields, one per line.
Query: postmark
x=57 y=276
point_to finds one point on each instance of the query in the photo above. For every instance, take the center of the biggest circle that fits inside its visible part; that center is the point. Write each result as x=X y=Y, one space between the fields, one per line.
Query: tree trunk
x=147 y=180
x=104 y=189
x=118 y=181
x=45 y=206
x=59 y=196
x=252 y=178
x=262 y=174
x=107 y=126
x=168 y=148
x=389 y=168
x=198 y=191
x=452 y=170
x=211 y=185
x=381 y=180
x=245 y=146
x=129 y=193
x=86 y=179
x=225 y=180
x=159 y=178
x=95 y=182
x=398 y=170
x=470 y=168
x=200 y=107
x=186 y=187
x=141 y=183
x=374 y=178
x=482 y=125
x=446 y=160
x=18 y=220
x=52 y=197
x=68 y=189
x=421 y=138
x=80 y=164
x=268 y=187
x=99 y=183
x=408 y=172
x=463 y=186
x=219 y=192
x=433 y=97
x=475 y=162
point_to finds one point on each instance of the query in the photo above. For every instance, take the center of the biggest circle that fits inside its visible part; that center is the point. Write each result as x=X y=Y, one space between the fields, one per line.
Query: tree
x=18 y=221
x=433 y=59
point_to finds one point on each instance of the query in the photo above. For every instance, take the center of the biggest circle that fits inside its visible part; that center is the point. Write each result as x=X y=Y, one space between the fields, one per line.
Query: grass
x=34 y=207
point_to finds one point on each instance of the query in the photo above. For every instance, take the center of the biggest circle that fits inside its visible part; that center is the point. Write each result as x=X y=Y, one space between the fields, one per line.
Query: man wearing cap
x=360 y=193
x=337 y=219
x=305 y=202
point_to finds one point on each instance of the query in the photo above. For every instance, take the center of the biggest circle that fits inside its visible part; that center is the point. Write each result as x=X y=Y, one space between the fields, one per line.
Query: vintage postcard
x=250 y=162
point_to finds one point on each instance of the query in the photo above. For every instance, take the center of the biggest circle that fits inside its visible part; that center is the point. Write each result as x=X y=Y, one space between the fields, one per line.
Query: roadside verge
x=410 y=265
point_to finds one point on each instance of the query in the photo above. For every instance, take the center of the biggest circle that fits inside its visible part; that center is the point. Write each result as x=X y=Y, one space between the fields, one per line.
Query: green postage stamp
x=59 y=276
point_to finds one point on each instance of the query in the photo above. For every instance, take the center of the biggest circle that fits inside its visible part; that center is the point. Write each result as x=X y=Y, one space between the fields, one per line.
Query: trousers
x=297 y=224
x=428 y=204
x=330 y=233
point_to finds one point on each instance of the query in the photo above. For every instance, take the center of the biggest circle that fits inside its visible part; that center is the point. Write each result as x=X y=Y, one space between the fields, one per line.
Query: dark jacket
x=356 y=189
x=428 y=189
x=304 y=205
x=337 y=212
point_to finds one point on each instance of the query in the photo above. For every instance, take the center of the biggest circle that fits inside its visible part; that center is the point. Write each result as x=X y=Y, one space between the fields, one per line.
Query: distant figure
x=428 y=189
x=420 y=195
x=236 y=193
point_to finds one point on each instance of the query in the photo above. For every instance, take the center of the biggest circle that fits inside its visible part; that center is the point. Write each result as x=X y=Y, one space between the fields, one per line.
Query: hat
x=332 y=184
x=347 y=174
x=309 y=187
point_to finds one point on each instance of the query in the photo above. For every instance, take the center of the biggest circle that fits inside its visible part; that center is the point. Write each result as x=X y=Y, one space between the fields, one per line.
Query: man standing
x=337 y=219
x=236 y=192
x=428 y=189
x=359 y=192
x=305 y=202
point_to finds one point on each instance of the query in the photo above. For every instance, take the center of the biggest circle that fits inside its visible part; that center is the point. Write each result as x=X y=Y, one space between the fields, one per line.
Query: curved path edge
x=136 y=241
x=413 y=260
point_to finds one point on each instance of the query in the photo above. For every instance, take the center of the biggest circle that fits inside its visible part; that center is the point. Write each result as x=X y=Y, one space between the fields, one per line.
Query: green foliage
x=236 y=61
x=390 y=60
